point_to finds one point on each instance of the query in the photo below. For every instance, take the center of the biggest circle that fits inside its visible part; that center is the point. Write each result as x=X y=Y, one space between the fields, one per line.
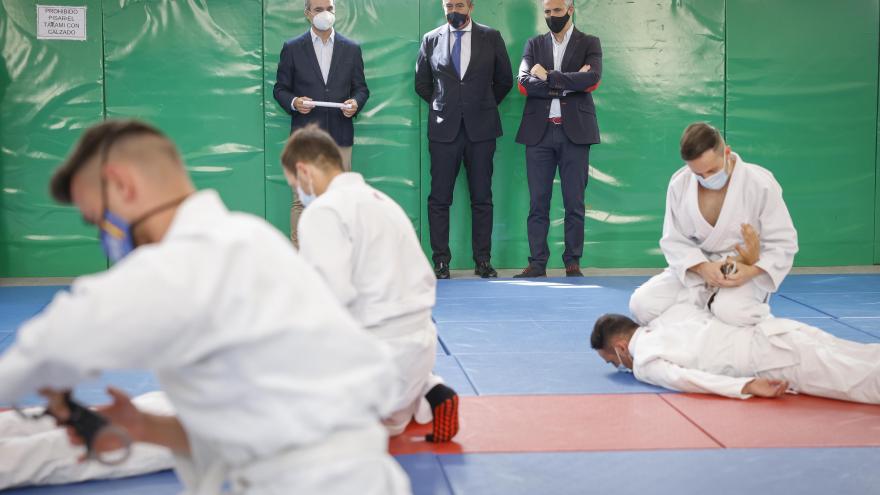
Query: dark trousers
x=446 y=159
x=542 y=159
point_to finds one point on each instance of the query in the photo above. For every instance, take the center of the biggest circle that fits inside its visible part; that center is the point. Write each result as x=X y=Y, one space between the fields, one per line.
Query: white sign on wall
x=61 y=23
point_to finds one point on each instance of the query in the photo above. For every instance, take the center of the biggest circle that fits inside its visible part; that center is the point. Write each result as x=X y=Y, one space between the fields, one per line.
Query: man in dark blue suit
x=321 y=65
x=558 y=73
x=464 y=73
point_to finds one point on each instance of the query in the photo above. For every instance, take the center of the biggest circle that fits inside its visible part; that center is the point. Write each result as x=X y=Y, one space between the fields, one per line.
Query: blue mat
x=18 y=304
x=831 y=283
x=870 y=325
x=449 y=368
x=511 y=336
x=698 y=472
x=841 y=304
x=553 y=373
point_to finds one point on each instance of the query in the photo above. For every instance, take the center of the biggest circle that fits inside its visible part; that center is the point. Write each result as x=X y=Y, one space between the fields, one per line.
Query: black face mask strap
x=162 y=207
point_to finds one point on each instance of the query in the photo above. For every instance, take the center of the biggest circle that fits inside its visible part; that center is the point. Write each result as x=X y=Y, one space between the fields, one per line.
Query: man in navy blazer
x=558 y=73
x=463 y=72
x=321 y=65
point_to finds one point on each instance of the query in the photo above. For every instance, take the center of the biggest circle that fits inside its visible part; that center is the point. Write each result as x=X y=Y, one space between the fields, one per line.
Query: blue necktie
x=456 y=52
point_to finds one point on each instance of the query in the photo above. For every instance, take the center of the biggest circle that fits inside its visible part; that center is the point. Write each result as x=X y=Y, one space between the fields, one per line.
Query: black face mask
x=456 y=20
x=557 y=24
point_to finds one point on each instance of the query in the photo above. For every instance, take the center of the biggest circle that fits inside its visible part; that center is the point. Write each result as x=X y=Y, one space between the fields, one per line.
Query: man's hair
x=568 y=3
x=98 y=140
x=609 y=326
x=698 y=138
x=309 y=4
x=312 y=145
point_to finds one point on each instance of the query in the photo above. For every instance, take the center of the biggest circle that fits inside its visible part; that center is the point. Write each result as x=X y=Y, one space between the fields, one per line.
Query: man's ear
x=120 y=180
x=289 y=177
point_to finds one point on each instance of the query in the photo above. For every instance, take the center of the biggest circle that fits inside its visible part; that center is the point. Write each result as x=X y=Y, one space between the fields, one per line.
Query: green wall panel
x=663 y=67
x=195 y=70
x=877 y=174
x=50 y=90
x=386 y=146
x=805 y=105
x=797 y=95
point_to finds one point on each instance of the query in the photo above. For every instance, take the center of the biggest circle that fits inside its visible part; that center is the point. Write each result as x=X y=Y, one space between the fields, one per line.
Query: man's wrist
x=293 y=104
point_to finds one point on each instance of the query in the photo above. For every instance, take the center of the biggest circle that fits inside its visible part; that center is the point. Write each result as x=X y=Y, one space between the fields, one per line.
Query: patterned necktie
x=456 y=52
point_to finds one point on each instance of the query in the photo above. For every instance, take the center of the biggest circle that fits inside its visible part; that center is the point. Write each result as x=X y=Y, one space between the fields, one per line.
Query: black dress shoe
x=573 y=270
x=484 y=270
x=532 y=271
x=441 y=270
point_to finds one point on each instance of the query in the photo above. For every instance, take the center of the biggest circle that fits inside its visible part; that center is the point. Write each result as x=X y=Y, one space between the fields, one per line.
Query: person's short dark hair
x=609 y=326
x=96 y=140
x=311 y=144
x=697 y=139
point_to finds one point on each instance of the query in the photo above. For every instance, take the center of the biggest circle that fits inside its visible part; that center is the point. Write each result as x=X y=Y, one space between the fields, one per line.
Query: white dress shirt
x=558 y=54
x=323 y=51
x=324 y=54
x=465 y=45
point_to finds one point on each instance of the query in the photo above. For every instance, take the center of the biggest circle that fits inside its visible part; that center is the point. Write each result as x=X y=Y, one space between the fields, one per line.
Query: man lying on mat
x=690 y=350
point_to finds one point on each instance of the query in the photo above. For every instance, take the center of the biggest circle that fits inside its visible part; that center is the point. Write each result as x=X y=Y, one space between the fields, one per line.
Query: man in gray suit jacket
x=558 y=73
x=321 y=65
x=463 y=72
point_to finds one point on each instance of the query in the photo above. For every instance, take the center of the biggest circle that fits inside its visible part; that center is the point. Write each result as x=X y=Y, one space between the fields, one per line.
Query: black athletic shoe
x=484 y=270
x=441 y=270
x=532 y=271
x=444 y=404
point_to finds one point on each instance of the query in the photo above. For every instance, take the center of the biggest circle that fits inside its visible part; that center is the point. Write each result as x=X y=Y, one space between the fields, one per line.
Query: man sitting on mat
x=364 y=245
x=244 y=335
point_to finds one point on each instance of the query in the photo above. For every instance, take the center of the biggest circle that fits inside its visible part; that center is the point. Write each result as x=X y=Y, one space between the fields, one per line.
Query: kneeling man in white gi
x=365 y=247
x=708 y=203
x=690 y=350
x=244 y=336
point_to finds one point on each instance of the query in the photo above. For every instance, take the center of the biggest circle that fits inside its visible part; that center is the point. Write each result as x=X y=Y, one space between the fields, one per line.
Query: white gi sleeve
x=681 y=252
x=669 y=375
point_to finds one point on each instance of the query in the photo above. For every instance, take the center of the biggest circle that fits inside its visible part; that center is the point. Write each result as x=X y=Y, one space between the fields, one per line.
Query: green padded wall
x=797 y=98
x=877 y=175
x=49 y=91
x=386 y=131
x=195 y=70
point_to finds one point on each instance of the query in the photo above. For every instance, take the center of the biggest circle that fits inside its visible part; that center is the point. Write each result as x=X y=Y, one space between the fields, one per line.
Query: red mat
x=648 y=422
x=561 y=424
x=790 y=421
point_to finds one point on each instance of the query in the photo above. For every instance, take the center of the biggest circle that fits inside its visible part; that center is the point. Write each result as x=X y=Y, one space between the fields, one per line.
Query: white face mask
x=305 y=199
x=324 y=20
x=620 y=366
x=717 y=180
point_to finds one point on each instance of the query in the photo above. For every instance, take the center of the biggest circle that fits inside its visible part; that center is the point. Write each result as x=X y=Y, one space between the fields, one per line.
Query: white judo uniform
x=365 y=247
x=753 y=197
x=39 y=452
x=690 y=350
x=244 y=337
